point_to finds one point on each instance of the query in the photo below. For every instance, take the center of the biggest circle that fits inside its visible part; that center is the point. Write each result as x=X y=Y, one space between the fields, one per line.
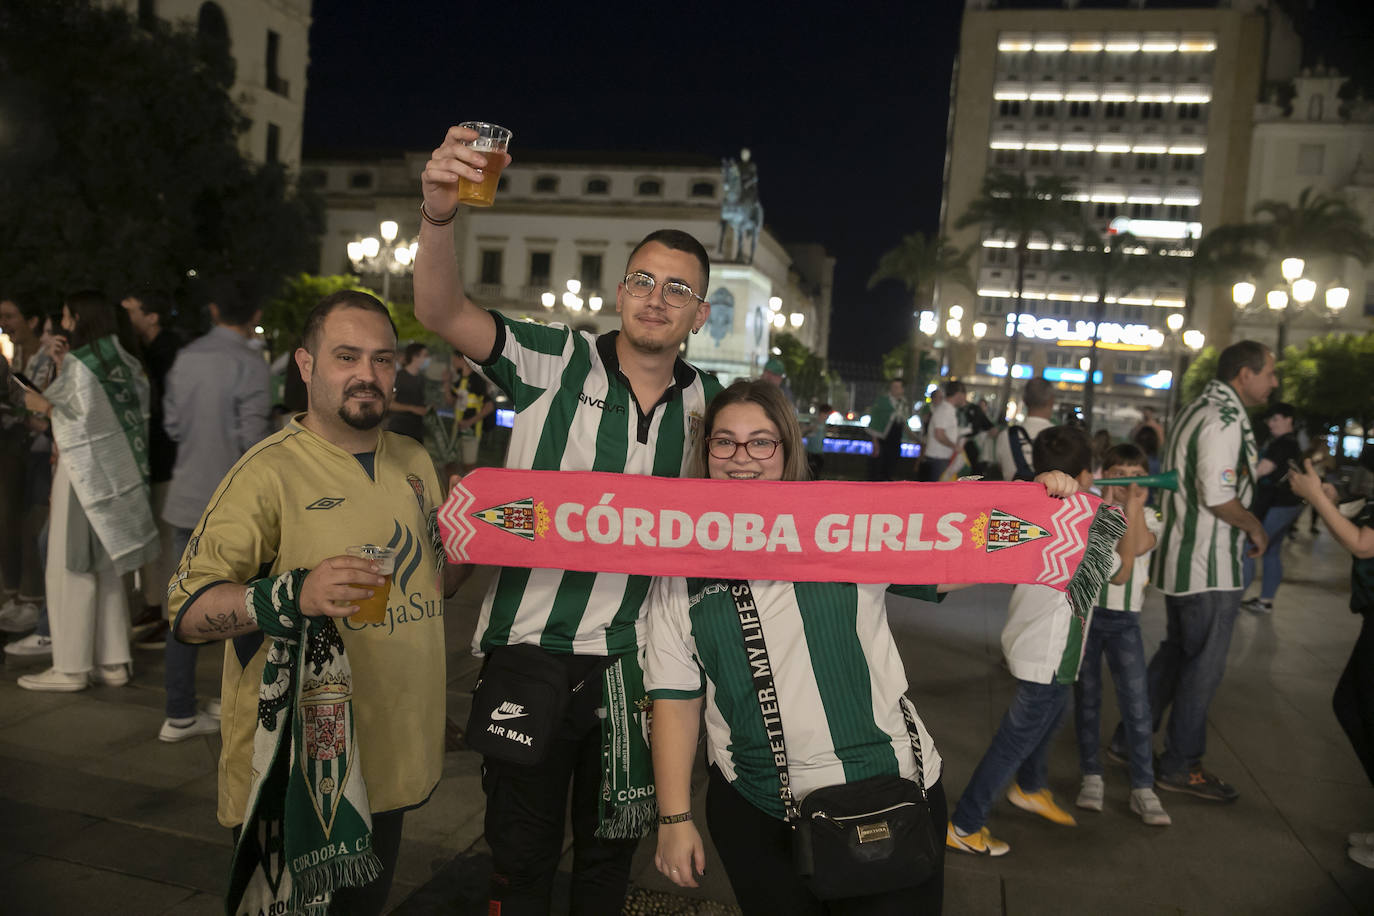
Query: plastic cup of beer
x=373 y=610
x=492 y=141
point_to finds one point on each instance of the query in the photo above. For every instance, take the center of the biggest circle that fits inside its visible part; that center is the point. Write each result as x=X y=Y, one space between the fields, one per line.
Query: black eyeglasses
x=678 y=295
x=724 y=449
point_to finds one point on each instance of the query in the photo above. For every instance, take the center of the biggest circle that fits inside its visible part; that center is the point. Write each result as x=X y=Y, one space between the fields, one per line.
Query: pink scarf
x=814 y=531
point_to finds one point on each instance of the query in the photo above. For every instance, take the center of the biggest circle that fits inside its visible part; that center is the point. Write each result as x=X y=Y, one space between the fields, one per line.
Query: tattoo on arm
x=219 y=624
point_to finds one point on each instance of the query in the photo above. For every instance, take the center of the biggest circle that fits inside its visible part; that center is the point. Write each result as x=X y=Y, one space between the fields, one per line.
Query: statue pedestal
x=735 y=341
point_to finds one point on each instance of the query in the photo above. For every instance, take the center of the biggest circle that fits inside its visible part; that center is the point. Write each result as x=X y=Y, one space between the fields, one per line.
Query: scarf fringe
x=344 y=871
x=629 y=822
x=1108 y=527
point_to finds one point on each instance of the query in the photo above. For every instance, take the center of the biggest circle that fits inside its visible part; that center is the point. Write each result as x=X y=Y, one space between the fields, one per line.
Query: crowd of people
x=126 y=452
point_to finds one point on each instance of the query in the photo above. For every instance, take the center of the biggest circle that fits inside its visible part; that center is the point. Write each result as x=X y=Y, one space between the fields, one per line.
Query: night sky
x=843 y=105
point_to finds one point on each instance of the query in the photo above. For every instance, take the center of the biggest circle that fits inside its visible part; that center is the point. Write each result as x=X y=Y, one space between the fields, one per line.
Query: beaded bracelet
x=675 y=818
x=437 y=222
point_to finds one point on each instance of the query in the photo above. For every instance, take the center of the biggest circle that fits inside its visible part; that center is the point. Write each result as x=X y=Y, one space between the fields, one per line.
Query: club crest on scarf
x=325 y=698
x=523 y=518
x=998 y=530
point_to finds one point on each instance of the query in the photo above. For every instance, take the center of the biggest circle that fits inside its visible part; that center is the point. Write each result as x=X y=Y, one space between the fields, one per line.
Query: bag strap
x=1018 y=438
x=751 y=628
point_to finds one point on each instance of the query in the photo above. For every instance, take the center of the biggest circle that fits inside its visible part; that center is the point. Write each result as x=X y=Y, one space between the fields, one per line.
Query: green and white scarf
x=100 y=425
x=628 y=807
x=308 y=828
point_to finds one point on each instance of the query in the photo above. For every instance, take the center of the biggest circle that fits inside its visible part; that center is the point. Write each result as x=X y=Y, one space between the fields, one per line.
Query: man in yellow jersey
x=296 y=501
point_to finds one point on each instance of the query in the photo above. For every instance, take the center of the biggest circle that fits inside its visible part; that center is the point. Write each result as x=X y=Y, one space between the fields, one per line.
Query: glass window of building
x=546 y=184
x=597 y=186
x=490 y=272
x=649 y=187
x=703 y=189
x=589 y=272
x=360 y=180
x=541 y=266
x=1311 y=158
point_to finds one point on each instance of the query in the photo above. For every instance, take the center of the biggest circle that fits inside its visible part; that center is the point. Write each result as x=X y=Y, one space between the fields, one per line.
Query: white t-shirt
x=1043 y=638
x=1033 y=427
x=944 y=416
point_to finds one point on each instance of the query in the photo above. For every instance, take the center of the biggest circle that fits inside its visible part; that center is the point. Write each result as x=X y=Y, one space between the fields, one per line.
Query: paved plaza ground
x=98 y=816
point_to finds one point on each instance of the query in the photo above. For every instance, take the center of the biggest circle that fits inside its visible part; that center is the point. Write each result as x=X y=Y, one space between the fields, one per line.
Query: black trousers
x=756 y=850
x=370 y=899
x=525 y=819
x=1353 y=700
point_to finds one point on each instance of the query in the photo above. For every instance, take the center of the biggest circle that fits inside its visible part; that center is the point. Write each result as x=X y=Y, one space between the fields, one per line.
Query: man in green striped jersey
x=623 y=402
x=1197 y=563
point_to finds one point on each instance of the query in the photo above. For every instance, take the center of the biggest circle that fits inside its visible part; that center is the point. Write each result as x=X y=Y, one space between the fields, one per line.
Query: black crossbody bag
x=519 y=700
x=853 y=839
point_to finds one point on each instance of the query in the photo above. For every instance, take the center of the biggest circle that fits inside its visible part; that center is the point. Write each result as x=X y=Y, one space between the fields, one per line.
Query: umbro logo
x=508 y=710
x=326 y=502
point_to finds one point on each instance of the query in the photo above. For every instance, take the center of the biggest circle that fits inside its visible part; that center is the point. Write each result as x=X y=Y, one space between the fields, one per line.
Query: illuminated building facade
x=1147 y=113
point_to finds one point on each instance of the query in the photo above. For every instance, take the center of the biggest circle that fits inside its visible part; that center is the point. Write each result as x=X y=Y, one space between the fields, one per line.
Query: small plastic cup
x=492 y=140
x=373 y=610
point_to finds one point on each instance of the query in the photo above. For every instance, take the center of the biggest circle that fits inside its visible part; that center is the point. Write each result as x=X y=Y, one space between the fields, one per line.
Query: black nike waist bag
x=520 y=699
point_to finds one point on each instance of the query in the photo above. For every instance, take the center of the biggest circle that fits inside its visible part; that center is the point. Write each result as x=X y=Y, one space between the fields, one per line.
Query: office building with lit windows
x=1147 y=113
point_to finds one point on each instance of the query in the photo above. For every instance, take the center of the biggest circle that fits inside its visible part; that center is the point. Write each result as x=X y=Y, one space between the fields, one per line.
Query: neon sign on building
x=1069 y=333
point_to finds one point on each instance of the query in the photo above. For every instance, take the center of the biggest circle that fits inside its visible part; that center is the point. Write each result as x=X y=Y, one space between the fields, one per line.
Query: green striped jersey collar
x=683 y=374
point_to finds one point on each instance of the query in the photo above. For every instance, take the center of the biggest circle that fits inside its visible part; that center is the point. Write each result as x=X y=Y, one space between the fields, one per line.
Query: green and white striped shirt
x=1212 y=448
x=1130 y=595
x=574 y=411
x=836 y=670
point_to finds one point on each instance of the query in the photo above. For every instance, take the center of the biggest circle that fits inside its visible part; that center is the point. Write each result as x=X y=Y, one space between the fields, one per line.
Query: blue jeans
x=1187 y=670
x=1117 y=633
x=1277 y=521
x=1021 y=746
x=180 y=675
x=41 y=628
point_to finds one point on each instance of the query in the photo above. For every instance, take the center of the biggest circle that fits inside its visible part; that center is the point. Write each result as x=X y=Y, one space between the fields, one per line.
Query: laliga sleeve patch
x=1228 y=477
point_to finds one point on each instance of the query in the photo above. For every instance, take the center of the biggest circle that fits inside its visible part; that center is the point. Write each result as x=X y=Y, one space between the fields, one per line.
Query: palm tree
x=1119 y=263
x=1019 y=209
x=918 y=262
x=1320 y=225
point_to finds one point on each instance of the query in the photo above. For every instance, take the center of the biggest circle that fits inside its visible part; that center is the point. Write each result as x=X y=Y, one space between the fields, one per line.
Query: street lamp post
x=386 y=256
x=1299 y=293
x=571 y=299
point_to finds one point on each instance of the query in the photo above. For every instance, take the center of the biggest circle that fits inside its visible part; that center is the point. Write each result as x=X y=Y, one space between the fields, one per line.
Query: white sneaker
x=202 y=724
x=1146 y=803
x=213 y=708
x=110 y=675
x=31 y=645
x=54 y=681
x=1091 y=793
x=1362 y=854
x=19 y=617
x=1360 y=839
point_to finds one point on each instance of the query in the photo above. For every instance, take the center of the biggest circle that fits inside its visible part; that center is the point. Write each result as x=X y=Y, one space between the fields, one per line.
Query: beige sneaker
x=1090 y=795
x=1146 y=803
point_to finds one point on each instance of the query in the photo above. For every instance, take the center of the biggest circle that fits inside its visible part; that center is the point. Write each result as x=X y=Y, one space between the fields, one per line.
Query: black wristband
x=675 y=818
x=437 y=222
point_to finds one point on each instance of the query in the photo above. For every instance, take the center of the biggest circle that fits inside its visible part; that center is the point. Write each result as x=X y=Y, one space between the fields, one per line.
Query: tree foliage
x=1201 y=370
x=806 y=372
x=283 y=315
x=119 y=160
x=1330 y=380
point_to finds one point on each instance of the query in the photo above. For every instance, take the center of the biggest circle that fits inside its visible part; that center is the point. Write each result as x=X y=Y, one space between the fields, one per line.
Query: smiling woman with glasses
x=839 y=687
x=675 y=293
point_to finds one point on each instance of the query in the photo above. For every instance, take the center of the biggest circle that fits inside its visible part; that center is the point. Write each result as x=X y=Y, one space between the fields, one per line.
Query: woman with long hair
x=838 y=680
x=100 y=523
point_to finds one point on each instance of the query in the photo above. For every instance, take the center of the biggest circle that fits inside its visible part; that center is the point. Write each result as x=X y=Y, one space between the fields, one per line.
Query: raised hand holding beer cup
x=465 y=169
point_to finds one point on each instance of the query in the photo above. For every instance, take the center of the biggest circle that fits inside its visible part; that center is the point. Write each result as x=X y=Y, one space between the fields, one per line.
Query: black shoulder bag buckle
x=853 y=839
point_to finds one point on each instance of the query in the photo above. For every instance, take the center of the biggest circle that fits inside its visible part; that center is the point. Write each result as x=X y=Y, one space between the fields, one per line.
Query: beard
x=366 y=415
